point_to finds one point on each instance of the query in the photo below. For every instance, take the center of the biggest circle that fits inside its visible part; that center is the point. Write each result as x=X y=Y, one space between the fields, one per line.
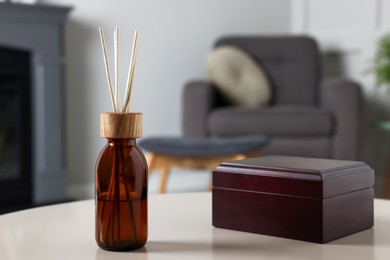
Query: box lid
x=296 y=176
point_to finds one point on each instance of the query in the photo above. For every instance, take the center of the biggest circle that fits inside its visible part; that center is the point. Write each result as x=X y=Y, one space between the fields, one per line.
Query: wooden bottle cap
x=120 y=125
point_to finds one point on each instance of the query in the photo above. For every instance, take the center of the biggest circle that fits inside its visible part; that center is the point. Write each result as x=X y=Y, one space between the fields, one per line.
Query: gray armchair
x=307 y=117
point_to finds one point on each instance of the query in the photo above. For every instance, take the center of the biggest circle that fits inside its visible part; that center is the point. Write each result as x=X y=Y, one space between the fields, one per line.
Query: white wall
x=347 y=32
x=176 y=36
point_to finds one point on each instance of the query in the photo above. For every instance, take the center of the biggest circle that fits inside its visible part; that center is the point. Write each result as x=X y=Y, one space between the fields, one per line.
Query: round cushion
x=238 y=77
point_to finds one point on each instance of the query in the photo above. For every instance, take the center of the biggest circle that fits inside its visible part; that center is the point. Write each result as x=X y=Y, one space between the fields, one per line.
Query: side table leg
x=210 y=188
x=151 y=159
x=164 y=178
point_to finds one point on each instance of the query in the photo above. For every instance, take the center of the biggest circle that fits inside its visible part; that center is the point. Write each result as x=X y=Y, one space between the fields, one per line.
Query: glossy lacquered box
x=316 y=200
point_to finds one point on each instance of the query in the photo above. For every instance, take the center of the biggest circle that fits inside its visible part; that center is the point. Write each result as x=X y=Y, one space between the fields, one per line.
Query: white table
x=179 y=228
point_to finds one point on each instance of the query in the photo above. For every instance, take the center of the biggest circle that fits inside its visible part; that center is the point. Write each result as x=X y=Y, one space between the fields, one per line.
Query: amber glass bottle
x=121 y=184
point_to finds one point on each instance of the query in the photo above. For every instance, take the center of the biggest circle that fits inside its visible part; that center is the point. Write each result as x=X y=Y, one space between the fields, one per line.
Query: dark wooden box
x=316 y=200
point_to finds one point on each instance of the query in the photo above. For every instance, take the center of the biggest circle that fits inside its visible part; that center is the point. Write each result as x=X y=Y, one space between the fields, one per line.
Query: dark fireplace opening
x=15 y=130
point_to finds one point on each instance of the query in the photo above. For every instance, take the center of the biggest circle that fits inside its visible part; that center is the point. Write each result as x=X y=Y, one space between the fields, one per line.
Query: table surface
x=179 y=228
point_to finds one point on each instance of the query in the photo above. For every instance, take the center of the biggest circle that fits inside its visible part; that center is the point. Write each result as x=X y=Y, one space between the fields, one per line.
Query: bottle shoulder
x=129 y=153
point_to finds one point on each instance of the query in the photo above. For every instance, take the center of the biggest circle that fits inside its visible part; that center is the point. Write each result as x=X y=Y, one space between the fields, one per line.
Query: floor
x=10 y=208
x=181 y=180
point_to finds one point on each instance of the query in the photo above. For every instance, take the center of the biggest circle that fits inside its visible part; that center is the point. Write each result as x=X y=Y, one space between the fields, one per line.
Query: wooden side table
x=165 y=153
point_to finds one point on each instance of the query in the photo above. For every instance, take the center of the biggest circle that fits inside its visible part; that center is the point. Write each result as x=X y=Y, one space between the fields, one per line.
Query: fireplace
x=15 y=128
x=32 y=117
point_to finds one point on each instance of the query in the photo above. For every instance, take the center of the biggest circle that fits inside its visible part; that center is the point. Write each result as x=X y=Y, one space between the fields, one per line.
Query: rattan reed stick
x=104 y=49
x=130 y=76
x=116 y=56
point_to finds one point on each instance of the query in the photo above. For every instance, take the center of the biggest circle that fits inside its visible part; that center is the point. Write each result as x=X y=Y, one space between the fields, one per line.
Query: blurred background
x=175 y=39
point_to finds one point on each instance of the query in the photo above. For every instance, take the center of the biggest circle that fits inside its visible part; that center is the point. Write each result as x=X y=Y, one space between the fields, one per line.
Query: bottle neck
x=127 y=141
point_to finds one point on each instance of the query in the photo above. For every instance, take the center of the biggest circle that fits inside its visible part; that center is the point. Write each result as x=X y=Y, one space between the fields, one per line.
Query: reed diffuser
x=121 y=168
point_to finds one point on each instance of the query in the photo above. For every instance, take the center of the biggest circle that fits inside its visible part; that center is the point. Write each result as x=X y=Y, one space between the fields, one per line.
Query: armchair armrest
x=344 y=99
x=198 y=99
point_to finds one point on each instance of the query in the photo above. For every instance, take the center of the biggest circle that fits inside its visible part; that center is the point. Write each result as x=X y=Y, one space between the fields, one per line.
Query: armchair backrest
x=291 y=63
